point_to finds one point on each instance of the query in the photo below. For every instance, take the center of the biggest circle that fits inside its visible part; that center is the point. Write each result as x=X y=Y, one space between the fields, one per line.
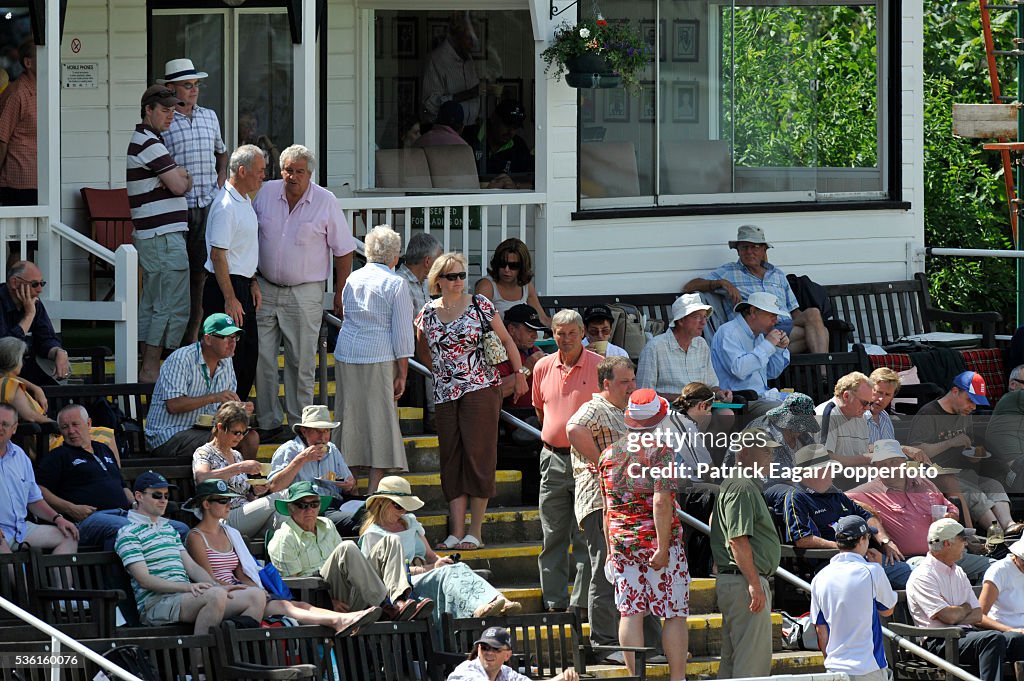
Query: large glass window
x=746 y=101
x=453 y=100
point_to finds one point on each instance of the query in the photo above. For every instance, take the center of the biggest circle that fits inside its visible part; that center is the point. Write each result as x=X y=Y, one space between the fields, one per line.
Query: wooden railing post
x=126 y=329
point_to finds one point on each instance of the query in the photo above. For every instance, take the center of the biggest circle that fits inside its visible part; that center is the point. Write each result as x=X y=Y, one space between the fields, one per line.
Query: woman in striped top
x=220 y=549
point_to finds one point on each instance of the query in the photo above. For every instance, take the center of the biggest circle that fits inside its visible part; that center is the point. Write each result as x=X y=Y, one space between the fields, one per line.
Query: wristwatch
x=525 y=371
x=885 y=541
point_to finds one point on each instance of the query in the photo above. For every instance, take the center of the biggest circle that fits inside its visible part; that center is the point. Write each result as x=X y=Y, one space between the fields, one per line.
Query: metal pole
x=974 y=252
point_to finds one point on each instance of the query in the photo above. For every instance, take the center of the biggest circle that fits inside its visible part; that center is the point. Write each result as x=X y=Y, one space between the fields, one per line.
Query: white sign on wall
x=77 y=75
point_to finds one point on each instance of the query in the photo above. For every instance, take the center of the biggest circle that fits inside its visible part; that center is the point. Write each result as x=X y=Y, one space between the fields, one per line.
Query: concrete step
x=702 y=596
x=512 y=564
x=788 y=662
x=501 y=525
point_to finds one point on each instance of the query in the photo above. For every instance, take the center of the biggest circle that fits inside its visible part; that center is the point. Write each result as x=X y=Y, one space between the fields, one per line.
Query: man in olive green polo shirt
x=746 y=550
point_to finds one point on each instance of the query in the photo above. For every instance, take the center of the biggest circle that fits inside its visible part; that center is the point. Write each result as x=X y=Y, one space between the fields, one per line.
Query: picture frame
x=511 y=88
x=685 y=40
x=407 y=95
x=649 y=31
x=437 y=31
x=480 y=28
x=406 y=38
x=648 y=102
x=616 y=106
x=685 y=102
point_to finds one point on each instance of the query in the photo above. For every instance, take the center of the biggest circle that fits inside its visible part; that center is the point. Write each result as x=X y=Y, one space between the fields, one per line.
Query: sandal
x=448 y=544
x=512 y=608
x=491 y=608
x=369 y=616
x=469 y=543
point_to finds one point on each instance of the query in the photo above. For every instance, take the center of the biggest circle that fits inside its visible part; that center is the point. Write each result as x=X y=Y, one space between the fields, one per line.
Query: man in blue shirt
x=749 y=350
x=753 y=273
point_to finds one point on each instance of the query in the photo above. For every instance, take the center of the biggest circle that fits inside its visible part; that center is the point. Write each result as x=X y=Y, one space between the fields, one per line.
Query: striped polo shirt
x=155 y=209
x=155 y=543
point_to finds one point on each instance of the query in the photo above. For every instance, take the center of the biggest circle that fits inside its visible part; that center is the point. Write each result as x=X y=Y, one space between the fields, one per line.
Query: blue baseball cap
x=852 y=527
x=151 y=480
x=973 y=384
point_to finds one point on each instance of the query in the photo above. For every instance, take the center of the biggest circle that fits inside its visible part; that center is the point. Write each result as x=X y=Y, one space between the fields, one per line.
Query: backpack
x=628 y=328
x=798 y=633
x=133 y=660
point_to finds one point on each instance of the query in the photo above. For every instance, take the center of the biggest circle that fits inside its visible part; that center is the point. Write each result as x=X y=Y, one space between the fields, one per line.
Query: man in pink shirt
x=562 y=383
x=447 y=130
x=940 y=595
x=301 y=229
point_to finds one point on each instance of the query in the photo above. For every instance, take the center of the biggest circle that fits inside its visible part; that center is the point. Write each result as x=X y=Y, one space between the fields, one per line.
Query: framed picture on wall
x=685 y=39
x=407 y=38
x=616 y=106
x=649 y=31
x=479 y=50
x=511 y=88
x=407 y=95
x=685 y=102
x=437 y=31
x=648 y=101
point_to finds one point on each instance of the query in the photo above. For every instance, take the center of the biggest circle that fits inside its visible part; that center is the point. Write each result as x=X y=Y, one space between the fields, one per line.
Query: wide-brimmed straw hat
x=315 y=416
x=397 y=489
x=300 y=490
x=645 y=410
x=180 y=69
x=796 y=413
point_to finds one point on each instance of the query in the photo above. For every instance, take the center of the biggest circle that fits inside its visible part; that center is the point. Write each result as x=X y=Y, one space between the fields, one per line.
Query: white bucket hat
x=687 y=304
x=762 y=301
x=180 y=69
x=887 y=449
x=316 y=416
x=751 y=234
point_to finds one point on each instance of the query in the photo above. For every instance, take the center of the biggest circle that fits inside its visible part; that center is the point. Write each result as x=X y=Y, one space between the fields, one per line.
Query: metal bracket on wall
x=555 y=11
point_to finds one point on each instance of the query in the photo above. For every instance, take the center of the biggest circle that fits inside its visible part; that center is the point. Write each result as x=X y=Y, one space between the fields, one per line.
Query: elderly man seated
x=943 y=430
x=748 y=350
x=753 y=273
x=298 y=549
x=845 y=432
x=940 y=595
x=312 y=457
x=812 y=507
x=906 y=504
x=193 y=382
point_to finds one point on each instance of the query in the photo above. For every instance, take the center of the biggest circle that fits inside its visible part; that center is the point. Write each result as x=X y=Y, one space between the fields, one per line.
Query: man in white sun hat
x=748 y=350
x=752 y=273
x=194 y=141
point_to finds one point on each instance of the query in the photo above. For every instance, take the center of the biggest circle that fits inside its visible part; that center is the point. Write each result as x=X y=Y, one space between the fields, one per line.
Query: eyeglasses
x=395 y=504
x=238 y=433
x=8 y=425
x=219 y=500
x=160 y=495
x=189 y=86
x=453 y=276
x=306 y=505
x=864 y=403
x=511 y=265
x=490 y=649
x=34 y=283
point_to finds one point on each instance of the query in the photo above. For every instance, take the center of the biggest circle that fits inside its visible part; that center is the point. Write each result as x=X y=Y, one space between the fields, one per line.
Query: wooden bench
x=305 y=652
x=805 y=372
x=394 y=651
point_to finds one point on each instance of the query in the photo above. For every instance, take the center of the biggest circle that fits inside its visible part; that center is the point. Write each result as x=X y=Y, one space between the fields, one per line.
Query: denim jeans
x=100 y=528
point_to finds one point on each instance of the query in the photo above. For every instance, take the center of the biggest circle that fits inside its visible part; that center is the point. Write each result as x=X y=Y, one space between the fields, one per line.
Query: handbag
x=493 y=349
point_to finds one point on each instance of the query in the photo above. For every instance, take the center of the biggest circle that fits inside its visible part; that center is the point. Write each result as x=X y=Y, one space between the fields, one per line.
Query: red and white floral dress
x=459 y=366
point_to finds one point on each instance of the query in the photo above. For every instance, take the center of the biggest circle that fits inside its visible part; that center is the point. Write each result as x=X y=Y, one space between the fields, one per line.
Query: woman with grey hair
x=26 y=397
x=467 y=394
x=373 y=351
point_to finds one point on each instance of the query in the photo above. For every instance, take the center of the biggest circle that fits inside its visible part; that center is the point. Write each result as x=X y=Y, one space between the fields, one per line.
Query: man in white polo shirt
x=847 y=598
x=232 y=254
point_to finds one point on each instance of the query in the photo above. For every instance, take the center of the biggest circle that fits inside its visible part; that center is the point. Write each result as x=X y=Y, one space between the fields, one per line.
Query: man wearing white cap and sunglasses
x=195 y=142
x=753 y=273
x=748 y=350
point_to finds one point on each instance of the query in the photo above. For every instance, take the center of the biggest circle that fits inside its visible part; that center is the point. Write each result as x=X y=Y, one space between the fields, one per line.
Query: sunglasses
x=189 y=86
x=511 y=265
x=219 y=500
x=160 y=495
x=238 y=433
x=306 y=505
x=34 y=283
x=453 y=276
x=490 y=649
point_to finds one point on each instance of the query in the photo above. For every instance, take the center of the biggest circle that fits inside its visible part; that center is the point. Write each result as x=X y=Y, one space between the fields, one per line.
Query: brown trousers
x=467 y=431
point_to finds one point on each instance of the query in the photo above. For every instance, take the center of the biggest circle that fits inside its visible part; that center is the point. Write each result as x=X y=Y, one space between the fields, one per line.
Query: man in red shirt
x=562 y=383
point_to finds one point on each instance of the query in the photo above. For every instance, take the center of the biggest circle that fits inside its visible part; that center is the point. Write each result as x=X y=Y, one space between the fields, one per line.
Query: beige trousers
x=363 y=582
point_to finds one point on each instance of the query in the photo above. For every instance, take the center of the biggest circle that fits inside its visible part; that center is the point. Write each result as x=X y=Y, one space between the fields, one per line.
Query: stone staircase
x=513 y=535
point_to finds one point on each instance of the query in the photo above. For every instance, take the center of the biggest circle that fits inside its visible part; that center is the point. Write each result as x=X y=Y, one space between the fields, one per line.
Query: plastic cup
x=938 y=511
x=600 y=347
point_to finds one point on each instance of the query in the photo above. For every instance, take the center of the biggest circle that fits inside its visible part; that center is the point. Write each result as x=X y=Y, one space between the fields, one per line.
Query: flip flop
x=369 y=617
x=448 y=544
x=469 y=543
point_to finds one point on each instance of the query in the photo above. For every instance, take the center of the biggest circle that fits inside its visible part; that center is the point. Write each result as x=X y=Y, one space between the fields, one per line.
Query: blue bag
x=272 y=582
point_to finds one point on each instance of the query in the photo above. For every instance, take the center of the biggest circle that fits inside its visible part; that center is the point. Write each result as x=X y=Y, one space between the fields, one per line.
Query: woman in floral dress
x=646 y=561
x=467 y=394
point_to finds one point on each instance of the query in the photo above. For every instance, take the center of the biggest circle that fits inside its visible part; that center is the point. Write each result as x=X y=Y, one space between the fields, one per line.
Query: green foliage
x=965 y=197
x=617 y=43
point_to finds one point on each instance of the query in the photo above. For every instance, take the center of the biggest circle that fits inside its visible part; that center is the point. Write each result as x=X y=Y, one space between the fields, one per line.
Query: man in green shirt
x=746 y=550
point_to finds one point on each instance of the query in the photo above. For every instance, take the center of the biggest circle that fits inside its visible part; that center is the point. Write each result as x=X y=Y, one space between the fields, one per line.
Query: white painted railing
x=473 y=223
x=58 y=639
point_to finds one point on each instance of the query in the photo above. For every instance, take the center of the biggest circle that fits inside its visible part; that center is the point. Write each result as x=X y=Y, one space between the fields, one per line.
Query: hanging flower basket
x=590 y=71
x=594 y=53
